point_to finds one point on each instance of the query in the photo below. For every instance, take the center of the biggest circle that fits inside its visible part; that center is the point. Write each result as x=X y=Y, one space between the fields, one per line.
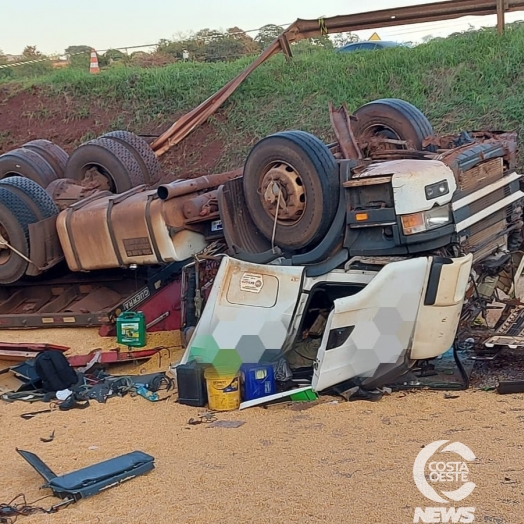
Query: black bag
x=54 y=370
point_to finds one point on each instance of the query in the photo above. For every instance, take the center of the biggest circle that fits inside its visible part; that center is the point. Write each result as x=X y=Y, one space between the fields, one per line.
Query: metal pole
x=501 y=7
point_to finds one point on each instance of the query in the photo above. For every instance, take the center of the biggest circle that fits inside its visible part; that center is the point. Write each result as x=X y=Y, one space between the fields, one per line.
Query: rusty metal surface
x=341 y=123
x=173 y=212
x=45 y=249
x=184 y=187
x=417 y=14
x=186 y=124
x=98 y=299
x=65 y=192
x=481 y=176
x=200 y=205
x=507 y=141
x=368 y=181
x=51 y=304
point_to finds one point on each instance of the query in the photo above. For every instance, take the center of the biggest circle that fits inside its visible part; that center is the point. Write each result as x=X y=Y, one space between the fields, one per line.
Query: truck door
x=375 y=327
x=247 y=314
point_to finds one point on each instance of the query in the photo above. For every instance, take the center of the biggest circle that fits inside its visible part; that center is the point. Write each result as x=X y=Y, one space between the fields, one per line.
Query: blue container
x=256 y=381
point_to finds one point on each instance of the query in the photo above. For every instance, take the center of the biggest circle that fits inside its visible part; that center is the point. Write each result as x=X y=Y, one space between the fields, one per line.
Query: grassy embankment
x=468 y=81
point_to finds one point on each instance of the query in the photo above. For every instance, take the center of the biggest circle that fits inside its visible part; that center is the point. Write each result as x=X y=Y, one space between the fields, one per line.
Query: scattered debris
x=10 y=511
x=50 y=439
x=110 y=357
x=506 y=387
x=207 y=417
x=28 y=416
x=450 y=395
x=226 y=424
x=23 y=351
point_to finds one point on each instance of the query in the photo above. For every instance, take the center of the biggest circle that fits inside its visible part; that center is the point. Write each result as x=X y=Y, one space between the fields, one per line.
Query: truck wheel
x=34 y=196
x=15 y=217
x=53 y=154
x=301 y=168
x=142 y=152
x=111 y=159
x=392 y=118
x=29 y=164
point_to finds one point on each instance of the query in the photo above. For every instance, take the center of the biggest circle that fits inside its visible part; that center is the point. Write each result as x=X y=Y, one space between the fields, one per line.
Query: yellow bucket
x=223 y=390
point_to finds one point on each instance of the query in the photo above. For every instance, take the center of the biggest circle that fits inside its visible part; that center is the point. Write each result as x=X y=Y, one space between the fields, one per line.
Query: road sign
x=374 y=37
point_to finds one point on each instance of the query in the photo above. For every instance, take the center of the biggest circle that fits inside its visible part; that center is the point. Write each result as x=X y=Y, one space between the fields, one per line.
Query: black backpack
x=54 y=370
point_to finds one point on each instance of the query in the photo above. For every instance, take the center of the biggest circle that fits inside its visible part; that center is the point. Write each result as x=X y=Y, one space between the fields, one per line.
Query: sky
x=56 y=24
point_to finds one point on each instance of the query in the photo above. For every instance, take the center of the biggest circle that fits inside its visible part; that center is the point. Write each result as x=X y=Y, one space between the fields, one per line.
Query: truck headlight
x=435 y=190
x=426 y=220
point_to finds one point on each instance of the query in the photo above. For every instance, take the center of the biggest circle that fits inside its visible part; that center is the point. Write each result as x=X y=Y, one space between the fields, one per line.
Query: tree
x=427 y=38
x=268 y=34
x=209 y=45
x=114 y=55
x=5 y=72
x=249 y=46
x=79 y=56
x=78 y=49
x=311 y=45
x=31 y=52
x=342 y=39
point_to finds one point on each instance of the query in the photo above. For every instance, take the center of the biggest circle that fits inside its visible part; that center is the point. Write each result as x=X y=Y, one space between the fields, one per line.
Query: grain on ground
x=345 y=462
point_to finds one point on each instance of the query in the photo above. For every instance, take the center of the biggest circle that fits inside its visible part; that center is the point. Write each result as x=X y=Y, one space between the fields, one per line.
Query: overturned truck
x=352 y=262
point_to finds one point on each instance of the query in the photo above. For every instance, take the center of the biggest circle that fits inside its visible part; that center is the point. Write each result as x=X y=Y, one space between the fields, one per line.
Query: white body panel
x=249 y=310
x=409 y=178
x=383 y=315
x=436 y=324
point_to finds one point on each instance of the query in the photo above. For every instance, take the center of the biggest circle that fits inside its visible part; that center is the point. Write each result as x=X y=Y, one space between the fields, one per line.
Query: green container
x=131 y=329
x=304 y=396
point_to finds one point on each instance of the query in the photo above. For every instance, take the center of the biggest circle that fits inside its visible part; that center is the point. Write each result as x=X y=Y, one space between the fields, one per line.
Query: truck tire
x=306 y=173
x=392 y=118
x=112 y=159
x=142 y=152
x=29 y=164
x=15 y=217
x=53 y=154
x=35 y=197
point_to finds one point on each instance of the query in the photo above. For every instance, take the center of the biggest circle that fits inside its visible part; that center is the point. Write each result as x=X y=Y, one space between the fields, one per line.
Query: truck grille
x=488 y=200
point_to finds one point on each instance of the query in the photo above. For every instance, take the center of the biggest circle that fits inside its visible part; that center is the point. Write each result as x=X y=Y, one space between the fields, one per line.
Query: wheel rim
x=5 y=252
x=282 y=186
x=383 y=131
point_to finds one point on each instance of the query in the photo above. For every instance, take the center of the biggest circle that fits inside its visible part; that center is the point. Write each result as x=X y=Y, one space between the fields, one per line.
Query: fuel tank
x=109 y=231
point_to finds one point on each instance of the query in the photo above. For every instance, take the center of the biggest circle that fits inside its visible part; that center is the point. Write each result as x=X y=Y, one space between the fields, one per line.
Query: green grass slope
x=469 y=81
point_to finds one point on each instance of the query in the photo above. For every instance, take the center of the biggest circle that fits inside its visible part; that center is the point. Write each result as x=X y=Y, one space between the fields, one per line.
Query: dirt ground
x=324 y=462
x=32 y=115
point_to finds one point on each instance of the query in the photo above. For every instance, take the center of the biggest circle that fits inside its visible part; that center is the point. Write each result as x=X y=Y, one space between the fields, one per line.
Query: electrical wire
x=10 y=512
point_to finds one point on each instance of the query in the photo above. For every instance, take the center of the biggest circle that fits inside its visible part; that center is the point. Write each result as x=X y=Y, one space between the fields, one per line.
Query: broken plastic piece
x=50 y=439
x=91 y=480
